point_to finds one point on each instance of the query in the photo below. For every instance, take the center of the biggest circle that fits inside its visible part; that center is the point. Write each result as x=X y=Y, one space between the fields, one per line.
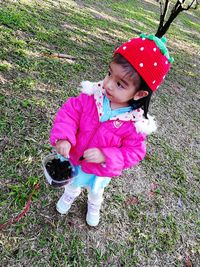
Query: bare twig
x=163 y=12
x=190 y=5
x=58 y=55
x=166 y=8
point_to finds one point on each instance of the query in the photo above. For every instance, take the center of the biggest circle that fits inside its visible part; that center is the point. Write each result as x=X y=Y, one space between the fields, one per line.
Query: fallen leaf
x=188 y=261
x=153 y=186
x=148 y=157
x=132 y=200
x=152 y=194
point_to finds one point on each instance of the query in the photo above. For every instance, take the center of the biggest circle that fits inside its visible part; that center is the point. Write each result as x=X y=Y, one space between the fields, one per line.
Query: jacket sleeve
x=67 y=121
x=131 y=152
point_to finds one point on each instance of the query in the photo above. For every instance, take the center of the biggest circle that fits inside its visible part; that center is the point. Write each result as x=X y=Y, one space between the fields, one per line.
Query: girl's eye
x=119 y=85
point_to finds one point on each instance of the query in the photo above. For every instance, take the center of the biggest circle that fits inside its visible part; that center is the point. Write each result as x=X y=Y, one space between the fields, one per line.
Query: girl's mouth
x=108 y=94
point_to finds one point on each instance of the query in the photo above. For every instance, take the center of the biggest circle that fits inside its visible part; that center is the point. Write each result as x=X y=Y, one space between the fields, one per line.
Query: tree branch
x=164 y=23
x=189 y=6
x=166 y=7
x=161 y=7
x=178 y=3
x=163 y=12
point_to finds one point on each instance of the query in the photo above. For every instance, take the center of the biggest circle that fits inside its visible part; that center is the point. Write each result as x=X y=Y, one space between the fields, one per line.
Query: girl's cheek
x=105 y=81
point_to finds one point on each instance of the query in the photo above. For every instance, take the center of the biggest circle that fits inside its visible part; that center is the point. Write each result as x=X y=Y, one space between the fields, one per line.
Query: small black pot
x=52 y=181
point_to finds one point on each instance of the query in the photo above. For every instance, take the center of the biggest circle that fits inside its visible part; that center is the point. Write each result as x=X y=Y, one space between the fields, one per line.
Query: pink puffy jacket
x=119 y=140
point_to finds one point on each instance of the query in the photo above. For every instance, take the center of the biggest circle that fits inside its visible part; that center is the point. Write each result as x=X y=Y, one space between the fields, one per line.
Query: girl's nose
x=110 y=85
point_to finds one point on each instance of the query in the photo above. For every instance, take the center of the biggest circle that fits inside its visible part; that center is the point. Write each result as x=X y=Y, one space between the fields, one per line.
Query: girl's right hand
x=63 y=147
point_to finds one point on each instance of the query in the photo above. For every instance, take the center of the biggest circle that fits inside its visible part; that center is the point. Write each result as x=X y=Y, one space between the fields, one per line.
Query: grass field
x=150 y=213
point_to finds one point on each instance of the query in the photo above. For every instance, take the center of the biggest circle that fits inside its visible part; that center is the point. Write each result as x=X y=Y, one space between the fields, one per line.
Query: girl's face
x=120 y=87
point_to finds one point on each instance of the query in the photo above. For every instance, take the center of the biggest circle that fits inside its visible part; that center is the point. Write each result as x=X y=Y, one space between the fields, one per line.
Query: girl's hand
x=63 y=147
x=94 y=155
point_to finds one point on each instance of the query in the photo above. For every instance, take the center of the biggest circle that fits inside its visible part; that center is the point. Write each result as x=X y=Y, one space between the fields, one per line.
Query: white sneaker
x=64 y=203
x=93 y=214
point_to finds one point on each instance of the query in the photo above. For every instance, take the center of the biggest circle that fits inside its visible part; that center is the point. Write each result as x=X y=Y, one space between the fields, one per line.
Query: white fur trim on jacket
x=146 y=126
x=89 y=88
x=142 y=125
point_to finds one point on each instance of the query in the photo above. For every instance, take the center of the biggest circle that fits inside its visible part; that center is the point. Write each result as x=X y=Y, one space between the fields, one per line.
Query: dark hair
x=138 y=80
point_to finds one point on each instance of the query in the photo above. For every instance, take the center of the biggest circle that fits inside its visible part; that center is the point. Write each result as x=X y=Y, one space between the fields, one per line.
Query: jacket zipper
x=92 y=135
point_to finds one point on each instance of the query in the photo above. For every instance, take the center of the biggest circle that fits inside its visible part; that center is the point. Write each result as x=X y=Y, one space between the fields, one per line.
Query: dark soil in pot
x=59 y=170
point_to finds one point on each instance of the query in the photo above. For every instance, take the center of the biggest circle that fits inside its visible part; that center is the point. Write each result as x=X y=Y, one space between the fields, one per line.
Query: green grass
x=160 y=229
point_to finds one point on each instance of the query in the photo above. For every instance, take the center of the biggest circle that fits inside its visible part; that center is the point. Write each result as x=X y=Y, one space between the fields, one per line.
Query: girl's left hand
x=94 y=155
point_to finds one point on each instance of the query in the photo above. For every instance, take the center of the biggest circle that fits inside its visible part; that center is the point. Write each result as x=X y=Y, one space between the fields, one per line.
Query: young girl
x=103 y=130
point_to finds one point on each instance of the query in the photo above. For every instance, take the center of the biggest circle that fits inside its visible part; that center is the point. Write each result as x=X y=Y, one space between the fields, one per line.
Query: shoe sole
x=90 y=223
x=61 y=211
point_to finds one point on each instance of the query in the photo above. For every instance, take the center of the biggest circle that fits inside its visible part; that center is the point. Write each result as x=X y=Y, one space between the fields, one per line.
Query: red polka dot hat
x=149 y=57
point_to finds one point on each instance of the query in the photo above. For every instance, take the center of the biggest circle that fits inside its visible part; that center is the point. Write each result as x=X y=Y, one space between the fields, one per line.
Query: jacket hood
x=142 y=125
